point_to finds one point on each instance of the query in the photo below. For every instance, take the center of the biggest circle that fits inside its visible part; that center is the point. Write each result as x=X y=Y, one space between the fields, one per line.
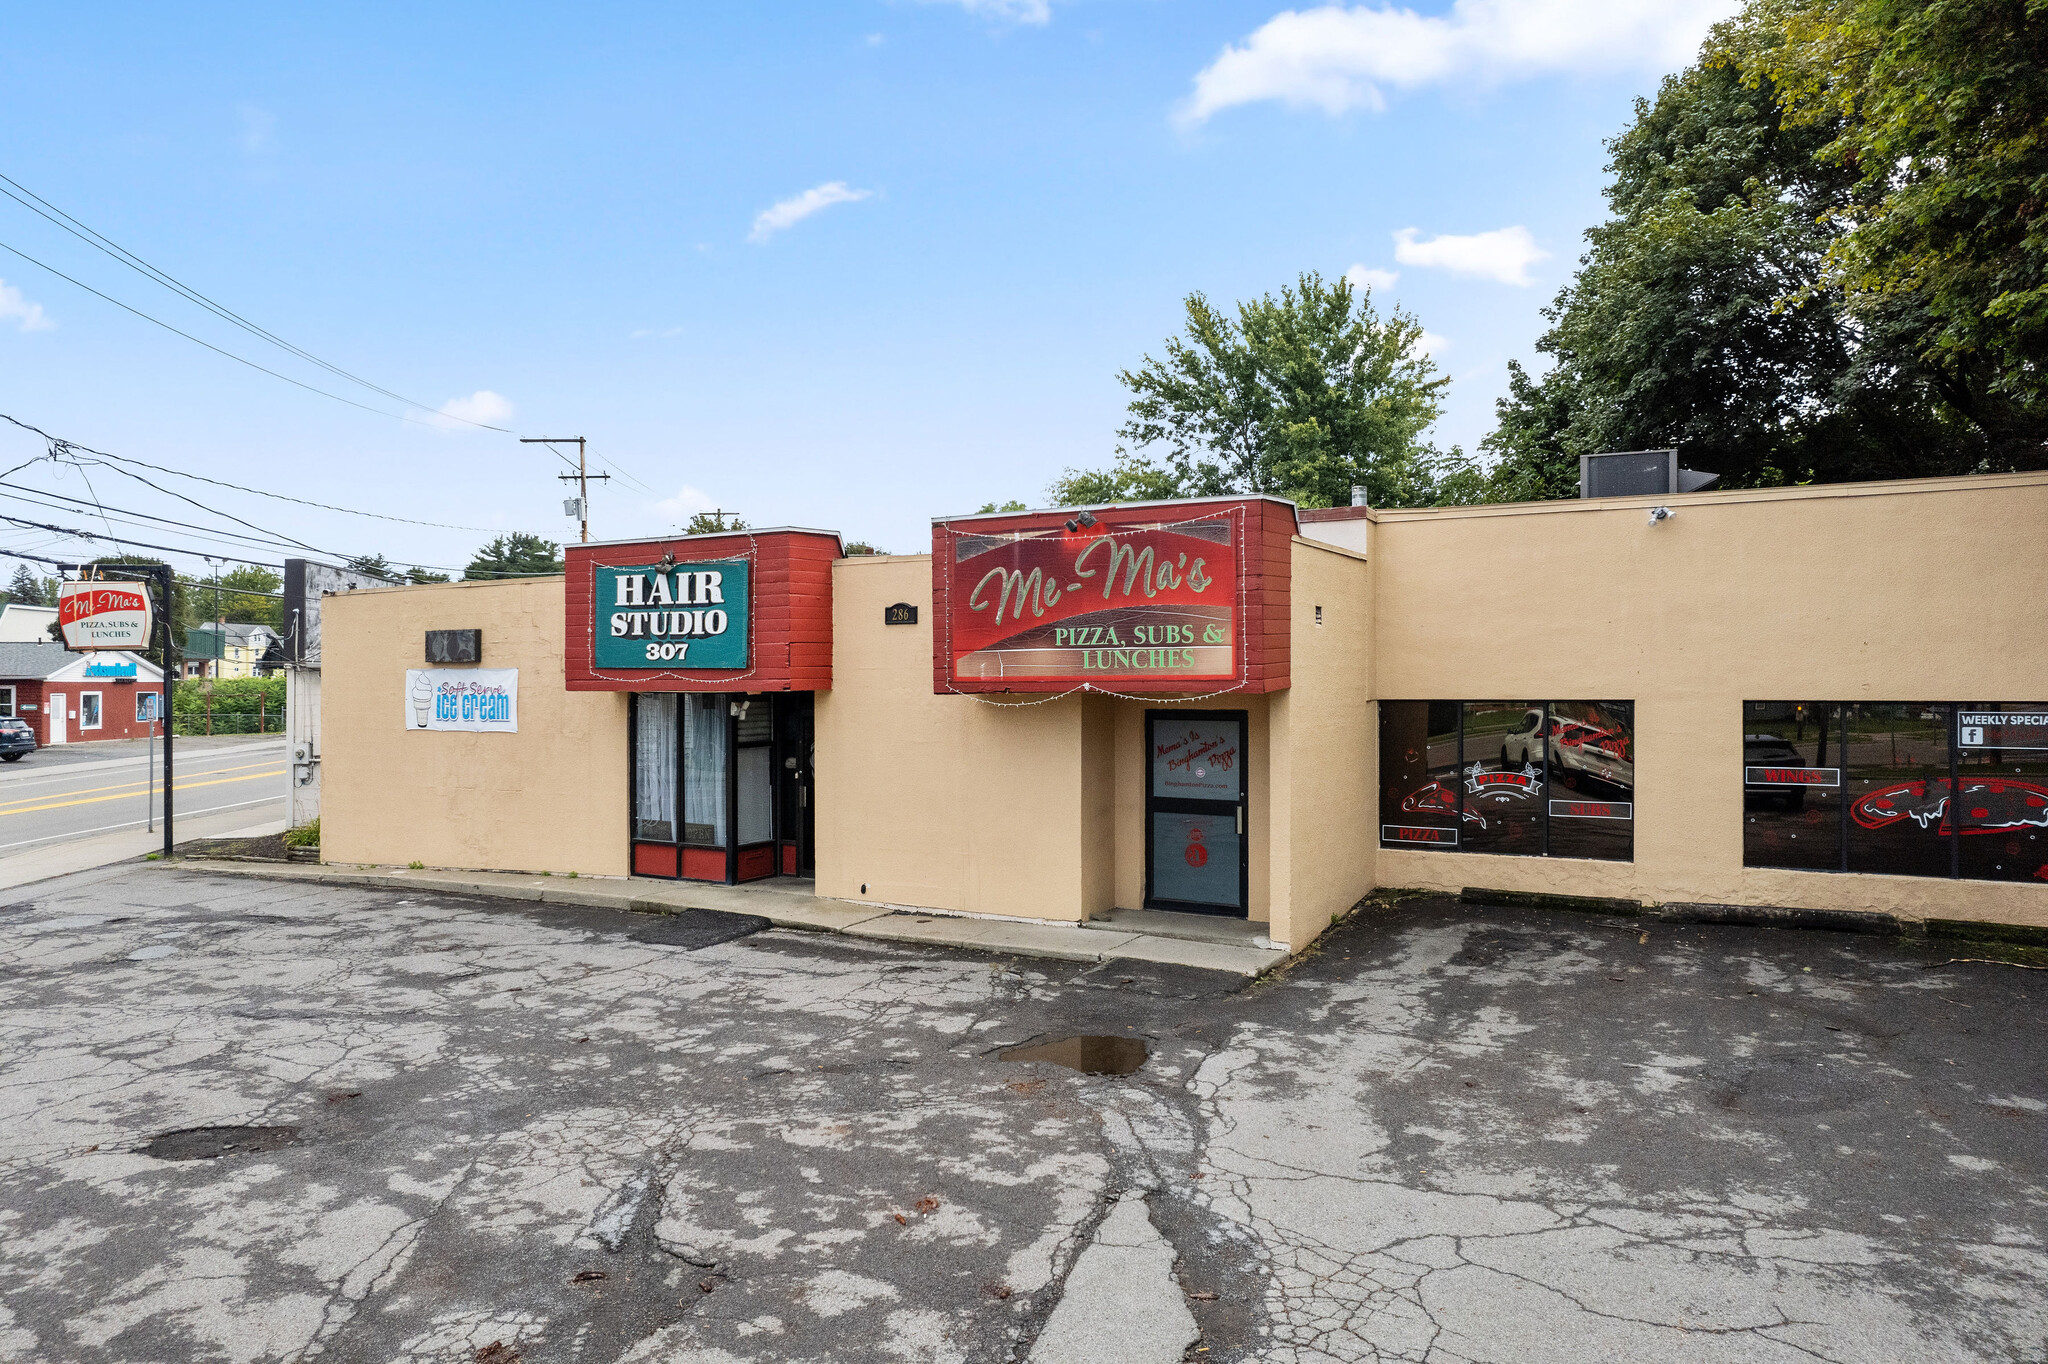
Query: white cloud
x=1336 y=59
x=655 y=333
x=1504 y=254
x=794 y=210
x=1364 y=277
x=687 y=502
x=1010 y=11
x=27 y=316
x=483 y=407
x=1431 y=344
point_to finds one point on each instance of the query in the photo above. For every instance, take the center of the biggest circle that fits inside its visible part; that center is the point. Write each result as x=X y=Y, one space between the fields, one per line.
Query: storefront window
x=1897 y=770
x=654 y=767
x=1792 y=785
x=1520 y=778
x=2002 y=807
x=1895 y=765
x=1419 y=774
x=757 y=772
x=704 y=757
x=6 y=701
x=1591 y=780
x=89 y=710
x=1501 y=771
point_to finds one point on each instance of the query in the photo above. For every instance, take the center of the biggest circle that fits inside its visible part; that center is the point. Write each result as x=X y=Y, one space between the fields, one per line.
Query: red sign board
x=1162 y=598
x=104 y=615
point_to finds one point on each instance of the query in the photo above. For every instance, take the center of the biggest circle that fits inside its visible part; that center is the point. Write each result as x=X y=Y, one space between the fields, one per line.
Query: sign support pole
x=161 y=575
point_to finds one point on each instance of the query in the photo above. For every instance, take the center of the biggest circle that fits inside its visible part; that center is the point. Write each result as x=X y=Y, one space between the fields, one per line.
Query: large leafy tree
x=1698 y=317
x=1938 y=112
x=1304 y=394
x=517 y=555
x=1792 y=284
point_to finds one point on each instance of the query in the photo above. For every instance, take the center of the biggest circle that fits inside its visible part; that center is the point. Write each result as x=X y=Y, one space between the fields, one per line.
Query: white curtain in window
x=704 y=756
x=654 y=767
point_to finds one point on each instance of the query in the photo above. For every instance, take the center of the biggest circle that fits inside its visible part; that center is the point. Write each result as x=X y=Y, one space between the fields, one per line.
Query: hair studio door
x=720 y=785
x=1195 y=834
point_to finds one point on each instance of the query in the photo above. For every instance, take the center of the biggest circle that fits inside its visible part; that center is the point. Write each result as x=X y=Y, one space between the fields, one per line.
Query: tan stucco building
x=1823 y=697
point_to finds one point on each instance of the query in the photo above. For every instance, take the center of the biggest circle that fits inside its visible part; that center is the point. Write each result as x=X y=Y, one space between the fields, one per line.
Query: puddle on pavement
x=1089 y=1054
x=211 y=1143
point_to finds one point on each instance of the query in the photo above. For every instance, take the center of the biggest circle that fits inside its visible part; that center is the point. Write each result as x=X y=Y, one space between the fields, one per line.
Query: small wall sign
x=479 y=700
x=455 y=646
x=902 y=613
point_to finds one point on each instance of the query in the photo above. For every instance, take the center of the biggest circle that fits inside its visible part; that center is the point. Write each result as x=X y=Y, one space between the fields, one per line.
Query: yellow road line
x=182 y=786
x=129 y=786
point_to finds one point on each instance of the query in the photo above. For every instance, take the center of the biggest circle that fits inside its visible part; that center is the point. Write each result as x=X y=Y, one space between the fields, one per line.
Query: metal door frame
x=1242 y=719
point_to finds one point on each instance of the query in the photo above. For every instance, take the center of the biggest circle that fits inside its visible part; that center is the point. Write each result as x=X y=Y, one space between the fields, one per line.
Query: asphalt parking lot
x=494 y=1132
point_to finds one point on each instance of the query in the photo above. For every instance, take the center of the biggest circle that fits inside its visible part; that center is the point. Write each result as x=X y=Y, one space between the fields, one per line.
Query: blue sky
x=565 y=220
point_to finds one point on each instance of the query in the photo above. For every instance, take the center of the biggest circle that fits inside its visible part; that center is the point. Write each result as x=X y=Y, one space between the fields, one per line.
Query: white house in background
x=21 y=624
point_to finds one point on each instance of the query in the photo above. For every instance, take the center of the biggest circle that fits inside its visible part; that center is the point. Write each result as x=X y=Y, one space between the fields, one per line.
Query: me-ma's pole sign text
x=683 y=616
x=1149 y=603
x=104 y=615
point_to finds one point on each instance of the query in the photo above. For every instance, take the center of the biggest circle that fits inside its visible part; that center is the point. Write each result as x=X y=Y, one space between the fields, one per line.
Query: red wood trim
x=704 y=864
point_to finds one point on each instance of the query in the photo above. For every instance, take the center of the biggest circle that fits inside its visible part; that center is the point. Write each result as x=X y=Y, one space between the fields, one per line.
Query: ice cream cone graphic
x=422 y=697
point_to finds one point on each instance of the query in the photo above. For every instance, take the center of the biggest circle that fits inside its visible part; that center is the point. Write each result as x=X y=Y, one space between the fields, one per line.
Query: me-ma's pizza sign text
x=104 y=615
x=1147 y=603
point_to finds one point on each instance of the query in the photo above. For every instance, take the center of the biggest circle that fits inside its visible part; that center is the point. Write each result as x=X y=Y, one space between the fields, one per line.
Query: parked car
x=17 y=740
x=1579 y=752
x=1768 y=750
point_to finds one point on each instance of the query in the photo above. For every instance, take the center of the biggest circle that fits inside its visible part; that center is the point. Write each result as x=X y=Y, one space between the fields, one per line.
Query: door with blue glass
x=1195 y=834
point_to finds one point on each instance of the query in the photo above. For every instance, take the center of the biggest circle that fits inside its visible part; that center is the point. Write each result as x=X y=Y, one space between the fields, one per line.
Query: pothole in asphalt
x=1091 y=1054
x=211 y=1143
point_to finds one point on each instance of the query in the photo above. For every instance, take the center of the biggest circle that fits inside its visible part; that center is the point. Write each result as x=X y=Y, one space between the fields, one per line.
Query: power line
x=144 y=519
x=218 y=351
x=142 y=267
x=142 y=544
x=60 y=445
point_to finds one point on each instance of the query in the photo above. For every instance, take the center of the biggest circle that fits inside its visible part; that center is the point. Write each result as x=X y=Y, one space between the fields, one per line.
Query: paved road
x=79 y=790
x=551 y=1134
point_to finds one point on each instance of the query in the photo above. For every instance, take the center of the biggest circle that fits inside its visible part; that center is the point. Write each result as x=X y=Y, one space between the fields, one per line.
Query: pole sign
x=1147 y=603
x=671 y=616
x=104 y=615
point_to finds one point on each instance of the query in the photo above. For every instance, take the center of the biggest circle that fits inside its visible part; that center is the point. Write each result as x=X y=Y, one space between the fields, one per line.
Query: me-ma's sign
x=680 y=616
x=1150 y=603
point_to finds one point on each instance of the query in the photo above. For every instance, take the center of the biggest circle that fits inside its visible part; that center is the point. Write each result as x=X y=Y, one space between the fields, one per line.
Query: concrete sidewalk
x=789 y=903
x=104 y=850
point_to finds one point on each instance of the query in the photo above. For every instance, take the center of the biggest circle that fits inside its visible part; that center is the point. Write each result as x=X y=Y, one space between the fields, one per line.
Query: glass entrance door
x=1195 y=834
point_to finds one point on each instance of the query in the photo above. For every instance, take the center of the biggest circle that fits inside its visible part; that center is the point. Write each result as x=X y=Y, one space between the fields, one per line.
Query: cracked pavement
x=1447 y=1134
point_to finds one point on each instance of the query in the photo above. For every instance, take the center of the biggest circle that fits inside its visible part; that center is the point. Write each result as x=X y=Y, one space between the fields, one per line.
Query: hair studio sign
x=671 y=615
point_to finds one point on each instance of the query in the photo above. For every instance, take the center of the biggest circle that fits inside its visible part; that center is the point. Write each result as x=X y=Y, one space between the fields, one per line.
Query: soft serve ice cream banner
x=478 y=700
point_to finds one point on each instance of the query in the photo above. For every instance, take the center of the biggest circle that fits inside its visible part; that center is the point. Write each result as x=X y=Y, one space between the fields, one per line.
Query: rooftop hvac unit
x=1638 y=473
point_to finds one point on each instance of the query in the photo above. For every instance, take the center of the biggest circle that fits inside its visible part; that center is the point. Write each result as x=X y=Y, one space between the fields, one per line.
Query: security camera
x=1660 y=514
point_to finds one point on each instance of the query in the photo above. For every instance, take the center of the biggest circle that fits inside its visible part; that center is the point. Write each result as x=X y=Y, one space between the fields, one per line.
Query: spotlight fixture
x=1660 y=514
x=1078 y=522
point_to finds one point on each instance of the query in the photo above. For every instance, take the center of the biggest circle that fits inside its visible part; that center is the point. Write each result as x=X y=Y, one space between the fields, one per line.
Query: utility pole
x=581 y=478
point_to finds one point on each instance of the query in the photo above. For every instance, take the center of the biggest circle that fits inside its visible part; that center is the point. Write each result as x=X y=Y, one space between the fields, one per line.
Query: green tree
x=713 y=522
x=375 y=566
x=26 y=587
x=1011 y=506
x=1304 y=395
x=236 y=599
x=517 y=555
x=1711 y=313
x=416 y=574
x=1937 y=110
